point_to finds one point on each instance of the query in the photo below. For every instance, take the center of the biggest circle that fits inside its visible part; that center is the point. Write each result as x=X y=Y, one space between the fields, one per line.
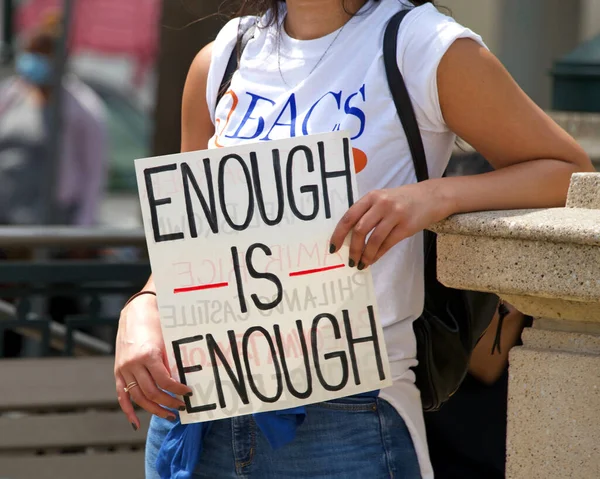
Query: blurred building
x=135 y=54
x=113 y=47
x=529 y=35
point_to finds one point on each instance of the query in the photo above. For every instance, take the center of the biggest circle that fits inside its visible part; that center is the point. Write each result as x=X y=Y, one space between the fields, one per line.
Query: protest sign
x=257 y=315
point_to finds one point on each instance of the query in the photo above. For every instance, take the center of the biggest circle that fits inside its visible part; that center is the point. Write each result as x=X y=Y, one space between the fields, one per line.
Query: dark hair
x=44 y=37
x=260 y=7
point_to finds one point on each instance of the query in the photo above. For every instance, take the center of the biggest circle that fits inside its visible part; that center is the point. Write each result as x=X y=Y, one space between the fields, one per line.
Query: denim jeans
x=347 y=438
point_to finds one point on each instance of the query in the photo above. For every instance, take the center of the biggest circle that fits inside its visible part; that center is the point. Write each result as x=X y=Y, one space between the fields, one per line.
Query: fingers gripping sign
x=375 y=225
x=383 y=218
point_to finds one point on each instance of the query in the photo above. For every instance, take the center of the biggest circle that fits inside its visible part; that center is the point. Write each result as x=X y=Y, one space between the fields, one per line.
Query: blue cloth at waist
x=181 y=450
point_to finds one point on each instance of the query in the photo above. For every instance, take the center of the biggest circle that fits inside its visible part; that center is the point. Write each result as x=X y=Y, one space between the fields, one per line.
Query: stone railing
x=547 y=264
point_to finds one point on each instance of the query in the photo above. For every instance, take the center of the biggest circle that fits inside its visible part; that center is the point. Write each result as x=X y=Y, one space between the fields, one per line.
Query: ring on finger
x=130 y=386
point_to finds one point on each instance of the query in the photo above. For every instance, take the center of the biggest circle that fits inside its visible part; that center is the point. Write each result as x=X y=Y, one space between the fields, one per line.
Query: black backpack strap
x=407 y=116
x=401 y=97
x=244 y=37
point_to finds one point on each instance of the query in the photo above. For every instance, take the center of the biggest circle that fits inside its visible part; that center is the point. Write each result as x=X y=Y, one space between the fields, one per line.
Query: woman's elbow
x=580 y=161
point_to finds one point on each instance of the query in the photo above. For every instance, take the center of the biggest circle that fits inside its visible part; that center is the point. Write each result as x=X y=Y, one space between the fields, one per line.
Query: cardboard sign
x=256 y=314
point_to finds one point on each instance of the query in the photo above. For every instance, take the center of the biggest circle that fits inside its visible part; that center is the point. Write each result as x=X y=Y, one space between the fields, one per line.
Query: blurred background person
x=24 y=129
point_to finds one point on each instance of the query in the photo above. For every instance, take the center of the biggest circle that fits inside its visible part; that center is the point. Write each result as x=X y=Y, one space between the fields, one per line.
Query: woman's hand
x=390 y=215
x=140 y=357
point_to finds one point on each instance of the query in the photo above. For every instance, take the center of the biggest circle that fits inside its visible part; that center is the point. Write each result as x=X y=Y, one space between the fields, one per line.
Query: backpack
x=453 y=320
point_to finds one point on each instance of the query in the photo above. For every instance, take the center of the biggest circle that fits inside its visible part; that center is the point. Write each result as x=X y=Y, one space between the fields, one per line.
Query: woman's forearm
x=486 y=366
x=533 y=184
x=150 y=286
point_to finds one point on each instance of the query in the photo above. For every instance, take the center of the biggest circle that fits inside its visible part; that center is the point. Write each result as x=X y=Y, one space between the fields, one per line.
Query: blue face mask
x=34 y=68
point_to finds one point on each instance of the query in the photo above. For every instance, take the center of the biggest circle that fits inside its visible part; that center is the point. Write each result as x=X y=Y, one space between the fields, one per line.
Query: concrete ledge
x=544 y=262
x=556 y=225
x=520 y=267
x=561 y=341
x=556 y=308
x=585 y=327
x=584 y=191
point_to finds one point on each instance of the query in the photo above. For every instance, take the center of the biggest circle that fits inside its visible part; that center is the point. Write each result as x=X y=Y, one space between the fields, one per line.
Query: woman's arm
x=140 y=354
x=533 y=156
x=196 y=126
x=486 y=366
x=481 y=103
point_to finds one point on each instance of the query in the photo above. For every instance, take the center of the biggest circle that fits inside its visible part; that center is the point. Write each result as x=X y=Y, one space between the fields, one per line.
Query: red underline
x=318 y=270
x=200 y=287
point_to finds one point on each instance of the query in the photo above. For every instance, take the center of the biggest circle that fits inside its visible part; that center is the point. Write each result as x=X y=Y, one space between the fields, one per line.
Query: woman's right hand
x=140 y=357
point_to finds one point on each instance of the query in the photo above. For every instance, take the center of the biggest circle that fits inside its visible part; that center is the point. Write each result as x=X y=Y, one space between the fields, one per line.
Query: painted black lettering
x=260 y=200
x=286 y=372
x=222 y=199
x=154 y=203
x=237 y=377
x=340 y=354
x=352 y=341
x=268 y=276
x=312 y=189
x=183 y=370
x=245 y=353
x=210 y=211
x=326 y=175
x=238 y=279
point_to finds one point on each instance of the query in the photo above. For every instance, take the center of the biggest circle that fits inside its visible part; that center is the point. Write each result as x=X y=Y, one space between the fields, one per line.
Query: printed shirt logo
x=246 y=123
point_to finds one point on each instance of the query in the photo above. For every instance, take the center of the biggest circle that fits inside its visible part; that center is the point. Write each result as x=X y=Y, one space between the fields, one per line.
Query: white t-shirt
x=275 y=94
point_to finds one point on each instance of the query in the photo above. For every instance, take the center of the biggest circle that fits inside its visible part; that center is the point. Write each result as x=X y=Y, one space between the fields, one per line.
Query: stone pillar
x=547 y=264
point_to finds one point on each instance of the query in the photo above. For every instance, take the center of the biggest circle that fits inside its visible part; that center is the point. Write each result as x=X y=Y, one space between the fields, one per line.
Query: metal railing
x=68 y=236
x=26 y=286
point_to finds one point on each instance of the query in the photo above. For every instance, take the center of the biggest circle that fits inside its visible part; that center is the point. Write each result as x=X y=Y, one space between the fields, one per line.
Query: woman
x=314 y=66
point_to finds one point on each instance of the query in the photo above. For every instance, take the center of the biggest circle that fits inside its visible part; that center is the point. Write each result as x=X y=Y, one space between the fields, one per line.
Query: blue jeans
x=346 y=438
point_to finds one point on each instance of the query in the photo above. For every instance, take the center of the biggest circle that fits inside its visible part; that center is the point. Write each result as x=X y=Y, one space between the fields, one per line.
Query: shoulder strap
x=401 y=97
x=407 y=116
x=234 y=59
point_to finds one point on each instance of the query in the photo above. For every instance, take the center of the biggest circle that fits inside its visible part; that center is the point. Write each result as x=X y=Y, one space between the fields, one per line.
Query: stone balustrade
x=547 y=264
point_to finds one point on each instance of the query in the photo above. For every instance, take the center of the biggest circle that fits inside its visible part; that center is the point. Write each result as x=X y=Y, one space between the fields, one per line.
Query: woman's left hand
x=390 y=215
